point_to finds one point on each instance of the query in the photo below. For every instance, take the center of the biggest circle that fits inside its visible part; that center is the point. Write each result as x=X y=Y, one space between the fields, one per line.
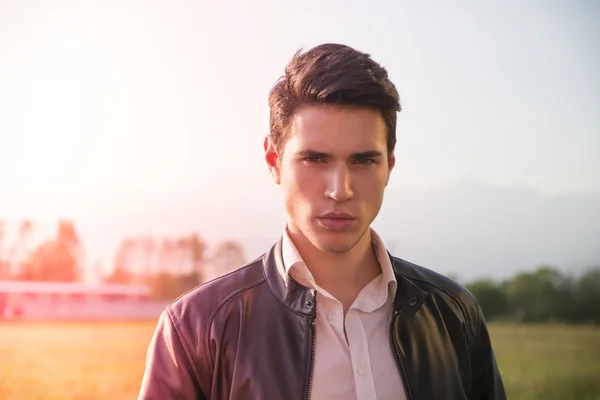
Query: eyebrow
x=315 y=153
x=368 y=154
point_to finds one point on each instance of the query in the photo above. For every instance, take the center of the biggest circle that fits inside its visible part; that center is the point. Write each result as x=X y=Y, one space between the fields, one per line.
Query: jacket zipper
x=397 y=357
x=312 y=356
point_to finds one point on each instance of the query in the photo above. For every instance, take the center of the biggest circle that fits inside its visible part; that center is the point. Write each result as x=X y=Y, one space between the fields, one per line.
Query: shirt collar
x=292 y=259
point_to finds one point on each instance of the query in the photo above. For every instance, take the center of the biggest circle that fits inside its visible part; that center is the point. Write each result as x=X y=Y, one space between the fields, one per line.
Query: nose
x=339 y=185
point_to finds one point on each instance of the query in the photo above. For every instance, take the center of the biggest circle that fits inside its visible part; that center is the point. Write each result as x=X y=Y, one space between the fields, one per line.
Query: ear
x=391 y=165
x=272 y=159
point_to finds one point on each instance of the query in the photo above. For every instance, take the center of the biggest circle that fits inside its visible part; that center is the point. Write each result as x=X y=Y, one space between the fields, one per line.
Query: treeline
x=172 y=266
x=169 y=266
x=544 y=295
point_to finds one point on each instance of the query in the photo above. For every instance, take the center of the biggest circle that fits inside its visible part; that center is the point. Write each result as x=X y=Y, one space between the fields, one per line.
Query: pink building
x=76 y=301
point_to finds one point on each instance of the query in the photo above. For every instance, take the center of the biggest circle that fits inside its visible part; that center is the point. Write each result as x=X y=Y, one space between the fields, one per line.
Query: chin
x=336 y=243
x=336 y=249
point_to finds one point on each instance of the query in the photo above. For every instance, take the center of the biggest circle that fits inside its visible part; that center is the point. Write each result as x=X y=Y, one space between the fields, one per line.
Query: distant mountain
x=472 y=230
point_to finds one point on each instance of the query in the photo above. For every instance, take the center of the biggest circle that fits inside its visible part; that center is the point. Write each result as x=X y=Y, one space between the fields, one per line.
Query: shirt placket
x=359 y=350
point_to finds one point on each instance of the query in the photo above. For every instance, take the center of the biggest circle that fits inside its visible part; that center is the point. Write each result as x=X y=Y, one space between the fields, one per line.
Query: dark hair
x=332 y=74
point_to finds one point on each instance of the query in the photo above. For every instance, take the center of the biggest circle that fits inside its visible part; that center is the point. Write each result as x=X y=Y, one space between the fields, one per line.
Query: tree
x=166 y=256
x=164 y=286
x=122 y=261
x=148 y=249
x=491 y=297
x=540 y=296
x=587 y=297
x=197 y=248
x=57 y=259
x=183 y=255
x=19 y=248
x=121 y=272
x=67 y=236
x=119 y=275
x=180 y=262
x=228 y=256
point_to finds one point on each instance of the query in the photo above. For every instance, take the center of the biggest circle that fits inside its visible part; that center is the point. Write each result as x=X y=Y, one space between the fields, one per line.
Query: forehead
x=337 y=129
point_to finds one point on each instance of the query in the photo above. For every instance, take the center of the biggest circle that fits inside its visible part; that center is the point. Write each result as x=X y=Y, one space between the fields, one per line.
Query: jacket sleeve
x=486 y=379
x=169 y=372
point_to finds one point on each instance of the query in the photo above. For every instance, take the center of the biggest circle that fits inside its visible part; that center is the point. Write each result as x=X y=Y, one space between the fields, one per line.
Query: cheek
x=301 y=182
x=370 y=182
x=301 y=192
x=370 y=190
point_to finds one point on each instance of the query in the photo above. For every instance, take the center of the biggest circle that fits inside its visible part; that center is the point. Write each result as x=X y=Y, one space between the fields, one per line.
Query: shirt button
x=361 y=371
x=332 y=317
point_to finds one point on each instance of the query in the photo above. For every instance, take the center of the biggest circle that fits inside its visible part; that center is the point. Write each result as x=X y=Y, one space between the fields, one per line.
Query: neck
x=343 y=275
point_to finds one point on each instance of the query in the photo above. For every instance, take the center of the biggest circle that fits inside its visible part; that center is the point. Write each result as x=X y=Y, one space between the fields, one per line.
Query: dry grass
x=106 y=361
x=72 y=361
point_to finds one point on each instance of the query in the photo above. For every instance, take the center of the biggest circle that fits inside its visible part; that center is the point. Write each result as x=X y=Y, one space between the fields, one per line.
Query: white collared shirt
x=364 y=367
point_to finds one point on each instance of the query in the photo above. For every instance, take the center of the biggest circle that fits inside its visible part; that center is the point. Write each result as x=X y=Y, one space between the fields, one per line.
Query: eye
x=314 y=159
x=365 y=161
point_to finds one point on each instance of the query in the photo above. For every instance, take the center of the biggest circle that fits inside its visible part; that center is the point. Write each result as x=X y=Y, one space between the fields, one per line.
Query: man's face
x=333 y=171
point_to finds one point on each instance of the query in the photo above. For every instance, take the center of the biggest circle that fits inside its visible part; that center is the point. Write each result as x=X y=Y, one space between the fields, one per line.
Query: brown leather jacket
x=247 y=336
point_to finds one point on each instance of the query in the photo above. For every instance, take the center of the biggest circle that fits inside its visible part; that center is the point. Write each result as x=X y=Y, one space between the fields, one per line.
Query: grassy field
x=105 y=361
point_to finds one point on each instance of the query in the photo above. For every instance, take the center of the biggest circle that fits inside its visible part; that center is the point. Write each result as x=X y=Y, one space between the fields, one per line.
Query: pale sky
x=110 y=107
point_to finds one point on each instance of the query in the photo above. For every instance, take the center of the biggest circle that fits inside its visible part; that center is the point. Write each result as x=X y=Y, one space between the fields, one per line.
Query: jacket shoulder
x=180 y=358
x=455 y=303
x=192 y=314
x=439 y=286
x=208 y=297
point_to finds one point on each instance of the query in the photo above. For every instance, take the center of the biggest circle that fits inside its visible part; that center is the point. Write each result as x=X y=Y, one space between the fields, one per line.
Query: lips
x=337 y=215
x=336 y=221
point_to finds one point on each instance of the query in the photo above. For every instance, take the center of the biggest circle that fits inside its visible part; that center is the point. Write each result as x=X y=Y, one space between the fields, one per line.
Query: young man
x=327 y=312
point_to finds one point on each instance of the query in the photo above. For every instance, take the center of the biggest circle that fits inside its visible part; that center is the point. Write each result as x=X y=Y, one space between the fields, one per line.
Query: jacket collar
x=409 y=297
x=300 y=299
